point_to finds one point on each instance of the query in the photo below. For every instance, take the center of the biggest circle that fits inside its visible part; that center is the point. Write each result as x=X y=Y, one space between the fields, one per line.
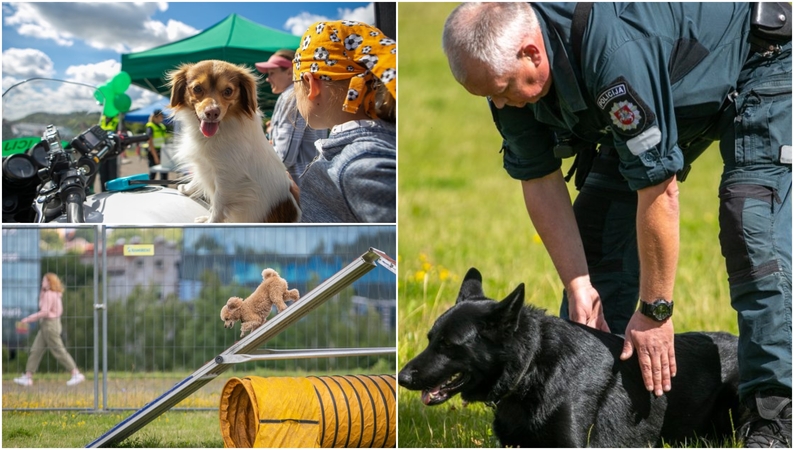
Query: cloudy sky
x=84 y=41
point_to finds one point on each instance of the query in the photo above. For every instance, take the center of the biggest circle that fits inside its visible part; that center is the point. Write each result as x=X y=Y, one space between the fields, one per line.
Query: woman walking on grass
x=49 y=336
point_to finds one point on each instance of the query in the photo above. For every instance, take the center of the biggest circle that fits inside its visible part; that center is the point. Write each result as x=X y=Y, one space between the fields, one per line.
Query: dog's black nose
x=406 y=377
x=212 y=113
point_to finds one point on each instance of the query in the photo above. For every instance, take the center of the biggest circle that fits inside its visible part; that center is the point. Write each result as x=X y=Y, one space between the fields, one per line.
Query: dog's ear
x=177 y=81
x=471 y=288
x=234 y=303
x=248 y=92
x=509 y=310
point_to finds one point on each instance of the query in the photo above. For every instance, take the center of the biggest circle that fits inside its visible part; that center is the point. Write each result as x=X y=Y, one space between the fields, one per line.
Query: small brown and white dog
x=234 y=166
x=254 y=310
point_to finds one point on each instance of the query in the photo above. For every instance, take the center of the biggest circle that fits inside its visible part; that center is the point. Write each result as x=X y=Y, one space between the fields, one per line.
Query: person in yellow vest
x=157 y=133
x=109 y=168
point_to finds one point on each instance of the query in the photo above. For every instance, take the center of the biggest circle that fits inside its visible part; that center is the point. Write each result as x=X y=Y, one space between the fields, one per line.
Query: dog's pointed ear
x=471 y=286
x=510 y=309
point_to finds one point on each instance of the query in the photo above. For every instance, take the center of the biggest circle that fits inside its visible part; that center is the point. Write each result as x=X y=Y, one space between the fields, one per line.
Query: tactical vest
x=109 y=124
x=159 y=133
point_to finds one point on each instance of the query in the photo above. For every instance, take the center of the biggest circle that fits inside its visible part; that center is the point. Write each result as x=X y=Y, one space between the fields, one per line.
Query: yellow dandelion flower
x=420 y=275
x=536 y=239
x=443 y=273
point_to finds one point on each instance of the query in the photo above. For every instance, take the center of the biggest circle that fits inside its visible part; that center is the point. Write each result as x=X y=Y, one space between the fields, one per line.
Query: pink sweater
x=50 y=306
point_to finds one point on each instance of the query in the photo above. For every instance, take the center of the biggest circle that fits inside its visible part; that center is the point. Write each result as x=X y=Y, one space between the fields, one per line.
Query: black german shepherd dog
x=555 y=383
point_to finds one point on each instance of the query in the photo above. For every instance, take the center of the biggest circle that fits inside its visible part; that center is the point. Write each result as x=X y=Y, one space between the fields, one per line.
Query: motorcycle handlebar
x=129 y=140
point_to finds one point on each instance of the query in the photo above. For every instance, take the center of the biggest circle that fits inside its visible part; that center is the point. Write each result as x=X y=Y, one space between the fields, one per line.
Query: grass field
x=64 y=429
x=458 y=208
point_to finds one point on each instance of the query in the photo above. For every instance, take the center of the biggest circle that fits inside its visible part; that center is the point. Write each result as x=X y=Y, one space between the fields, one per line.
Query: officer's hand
x=584 y=306
x=653 y=342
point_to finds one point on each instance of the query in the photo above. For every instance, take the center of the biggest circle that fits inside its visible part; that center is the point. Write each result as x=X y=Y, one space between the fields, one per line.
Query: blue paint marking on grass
x=140 y=411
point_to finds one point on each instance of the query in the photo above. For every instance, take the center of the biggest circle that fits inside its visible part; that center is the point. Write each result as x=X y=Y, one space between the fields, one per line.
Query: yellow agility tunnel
x=336 y=411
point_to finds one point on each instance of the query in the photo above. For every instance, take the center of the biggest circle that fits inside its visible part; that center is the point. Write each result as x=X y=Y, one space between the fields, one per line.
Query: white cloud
x=27 y=63
x=122 y=27
x=297 y=25
x=364 y=14
x=95 y=74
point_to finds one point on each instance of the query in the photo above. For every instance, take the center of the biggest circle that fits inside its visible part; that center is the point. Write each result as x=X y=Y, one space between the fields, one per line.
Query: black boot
x=769 y=424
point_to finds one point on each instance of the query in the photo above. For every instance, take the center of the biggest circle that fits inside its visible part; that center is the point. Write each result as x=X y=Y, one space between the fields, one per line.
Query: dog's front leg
x=217 y=209
x=190 y=189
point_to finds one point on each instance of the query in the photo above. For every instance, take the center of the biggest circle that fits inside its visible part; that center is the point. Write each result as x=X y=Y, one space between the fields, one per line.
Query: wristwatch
x=659 y=310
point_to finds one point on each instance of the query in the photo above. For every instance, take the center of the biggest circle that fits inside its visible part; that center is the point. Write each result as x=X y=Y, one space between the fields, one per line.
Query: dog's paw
x=182 y=189
x=201 y=219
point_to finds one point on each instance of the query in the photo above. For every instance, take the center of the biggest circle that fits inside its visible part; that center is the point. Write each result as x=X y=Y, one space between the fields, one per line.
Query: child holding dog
x=345 y=76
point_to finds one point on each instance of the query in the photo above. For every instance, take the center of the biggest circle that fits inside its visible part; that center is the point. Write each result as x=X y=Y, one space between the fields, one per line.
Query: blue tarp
x=141 y=115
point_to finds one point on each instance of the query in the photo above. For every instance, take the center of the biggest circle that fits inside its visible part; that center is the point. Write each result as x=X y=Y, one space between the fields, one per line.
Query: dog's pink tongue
x=426 y=397
x=208 y=129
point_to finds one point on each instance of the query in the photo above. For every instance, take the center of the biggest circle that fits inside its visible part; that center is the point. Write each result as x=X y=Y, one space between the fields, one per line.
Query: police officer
x=157 y=132
x=653 y=84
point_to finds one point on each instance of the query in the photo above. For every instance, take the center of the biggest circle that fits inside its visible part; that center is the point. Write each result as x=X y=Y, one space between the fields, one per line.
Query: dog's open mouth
x=208 y=129
x=445 y=391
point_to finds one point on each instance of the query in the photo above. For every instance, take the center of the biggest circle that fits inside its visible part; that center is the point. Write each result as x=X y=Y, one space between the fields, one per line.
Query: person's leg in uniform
x=108 y=170
x=755 y=235
x=150 y=157
x=606 y=211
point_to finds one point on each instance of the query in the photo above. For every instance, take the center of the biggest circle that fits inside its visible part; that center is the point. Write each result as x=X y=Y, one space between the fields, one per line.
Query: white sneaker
x=76 y=379
x=24 y=380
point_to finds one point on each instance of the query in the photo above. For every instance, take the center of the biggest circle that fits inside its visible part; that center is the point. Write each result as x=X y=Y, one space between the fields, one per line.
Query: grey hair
x=487 y=33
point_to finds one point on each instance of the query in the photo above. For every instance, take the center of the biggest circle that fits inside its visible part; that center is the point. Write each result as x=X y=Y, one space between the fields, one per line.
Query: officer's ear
x=533 y=52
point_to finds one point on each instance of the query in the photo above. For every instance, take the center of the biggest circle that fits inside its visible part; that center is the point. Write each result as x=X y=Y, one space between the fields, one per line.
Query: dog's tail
x=267 y=273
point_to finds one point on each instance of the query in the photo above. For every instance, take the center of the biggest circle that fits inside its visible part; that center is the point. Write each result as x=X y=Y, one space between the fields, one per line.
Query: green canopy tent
x=234 y=39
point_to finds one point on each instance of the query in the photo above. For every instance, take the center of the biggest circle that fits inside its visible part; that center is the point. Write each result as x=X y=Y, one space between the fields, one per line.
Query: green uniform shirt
x=653 y=78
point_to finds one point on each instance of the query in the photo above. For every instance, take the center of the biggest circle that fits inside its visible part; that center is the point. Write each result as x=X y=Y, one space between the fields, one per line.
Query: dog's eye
x=197 y=89
x=227 y=92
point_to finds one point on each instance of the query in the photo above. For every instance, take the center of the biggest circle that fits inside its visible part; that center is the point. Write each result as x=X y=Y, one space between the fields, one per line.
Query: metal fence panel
x=160 y=292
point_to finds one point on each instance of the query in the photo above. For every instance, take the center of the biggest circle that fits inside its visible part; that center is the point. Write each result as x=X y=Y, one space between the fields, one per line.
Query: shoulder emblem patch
x=627 y=112
x=625 y=115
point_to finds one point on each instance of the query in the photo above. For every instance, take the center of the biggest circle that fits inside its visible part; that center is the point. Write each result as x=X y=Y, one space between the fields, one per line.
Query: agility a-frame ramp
x=246 y=348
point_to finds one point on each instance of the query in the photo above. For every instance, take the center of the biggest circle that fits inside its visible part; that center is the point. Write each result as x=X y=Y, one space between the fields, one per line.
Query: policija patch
x=627 y=112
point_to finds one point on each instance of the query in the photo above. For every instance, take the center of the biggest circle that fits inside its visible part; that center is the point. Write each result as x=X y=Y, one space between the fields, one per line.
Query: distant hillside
x=69 y=125
x=75 y=119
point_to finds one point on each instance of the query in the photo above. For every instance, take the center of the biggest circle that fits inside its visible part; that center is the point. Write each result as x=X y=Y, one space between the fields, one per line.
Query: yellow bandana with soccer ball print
x=341 y=50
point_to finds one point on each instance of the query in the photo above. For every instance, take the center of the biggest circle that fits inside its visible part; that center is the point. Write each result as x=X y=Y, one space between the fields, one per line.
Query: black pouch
x=771 y=21
x=585 y=154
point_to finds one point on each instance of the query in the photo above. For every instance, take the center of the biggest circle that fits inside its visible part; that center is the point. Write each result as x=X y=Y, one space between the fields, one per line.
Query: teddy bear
x=253 y=311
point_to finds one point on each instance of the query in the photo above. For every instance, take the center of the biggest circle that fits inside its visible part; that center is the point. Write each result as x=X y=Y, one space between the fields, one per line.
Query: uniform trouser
x=755 y=221
x=606 y=212
x=108 y=170
x=755 y=227
x=49 y=336
x=150 y=157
